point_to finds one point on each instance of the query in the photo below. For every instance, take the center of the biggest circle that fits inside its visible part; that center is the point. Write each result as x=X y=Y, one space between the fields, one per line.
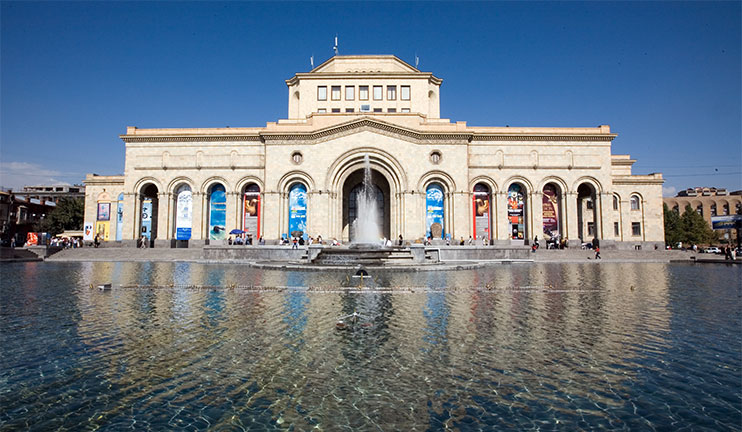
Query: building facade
x=710 y=203
x=431 y=177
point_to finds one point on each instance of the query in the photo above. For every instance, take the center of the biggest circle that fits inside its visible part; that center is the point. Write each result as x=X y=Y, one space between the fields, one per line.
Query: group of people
x=729 y=253
x=246 y=240
x=66 y=242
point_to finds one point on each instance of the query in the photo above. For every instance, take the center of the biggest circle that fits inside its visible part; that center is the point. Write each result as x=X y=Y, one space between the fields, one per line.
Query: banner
x=251 y=211
x=184 y=213
x=218 y=213
x=515 y=212
x=434 y=212
x=481 y=212
x=550 y=206
x=147 y=218
x=104 y=211
x=87 y=233
x=726 y=222
x=120 y=220
x=298 y=211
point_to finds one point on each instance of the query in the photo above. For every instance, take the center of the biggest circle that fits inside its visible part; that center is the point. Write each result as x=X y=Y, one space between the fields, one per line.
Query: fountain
x=366 y=225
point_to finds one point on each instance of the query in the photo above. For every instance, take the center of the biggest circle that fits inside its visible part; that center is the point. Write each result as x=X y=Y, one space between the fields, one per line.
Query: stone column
x=571 y=219
x=197 y=217
x=537 y=210
x=499 y=209
x=231 y=220
x=131 y=219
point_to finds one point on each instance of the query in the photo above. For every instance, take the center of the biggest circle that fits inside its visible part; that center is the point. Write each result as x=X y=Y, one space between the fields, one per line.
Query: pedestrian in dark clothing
x=597 y=253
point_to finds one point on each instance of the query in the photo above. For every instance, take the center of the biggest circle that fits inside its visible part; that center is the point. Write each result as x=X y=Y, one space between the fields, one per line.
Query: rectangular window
x=590 y=228
x=322 y=93
x=377 y=92
x=321 y=110
x=589 y=204
x=336 y=110
x=405 y=92
x=391 y=110
x=350 y=93
x=391 y=92
x=363 y=92
x=377 y=109
x=636 y=228
x=349 y=110
x=405 y=110
x=615 y=229
x=335 y=92
x=365 y=108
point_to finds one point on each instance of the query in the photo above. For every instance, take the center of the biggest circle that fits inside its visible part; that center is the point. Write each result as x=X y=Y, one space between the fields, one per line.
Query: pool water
x=524 y=346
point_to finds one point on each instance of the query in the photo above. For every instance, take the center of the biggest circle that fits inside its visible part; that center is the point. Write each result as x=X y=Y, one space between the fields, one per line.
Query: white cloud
x=15 y=175
x=668 y=191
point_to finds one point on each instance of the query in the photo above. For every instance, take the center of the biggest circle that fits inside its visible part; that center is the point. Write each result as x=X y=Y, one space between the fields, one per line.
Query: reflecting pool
x=227 y=347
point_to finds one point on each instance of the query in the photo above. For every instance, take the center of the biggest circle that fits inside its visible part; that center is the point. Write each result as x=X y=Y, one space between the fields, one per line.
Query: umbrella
x=236 y=231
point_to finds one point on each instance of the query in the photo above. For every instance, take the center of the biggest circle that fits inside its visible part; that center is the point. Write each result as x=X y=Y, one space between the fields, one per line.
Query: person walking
x=597 y=253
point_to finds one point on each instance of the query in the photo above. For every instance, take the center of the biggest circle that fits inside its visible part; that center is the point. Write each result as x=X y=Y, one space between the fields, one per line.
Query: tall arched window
x=635 y=203
x=251 y=210
x=217 y=212
x=298 y=211
x=434 y=211
x=551 y=205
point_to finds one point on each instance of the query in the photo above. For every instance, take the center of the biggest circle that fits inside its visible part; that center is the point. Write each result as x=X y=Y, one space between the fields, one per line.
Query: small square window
x=378 y=93
x=336 y=110
x=377 y=109
x=405 y=110
x=589 y=204
x=391 y=110
x=335 y=92
x=349 y=110
x=321 y=110
x=615 y=229
x=365 y=108
x=591 y=228
x=391 y=92
x=363 y=92
x=636 y=228
x=350 y=93
x=405 y=92
x=322 y=93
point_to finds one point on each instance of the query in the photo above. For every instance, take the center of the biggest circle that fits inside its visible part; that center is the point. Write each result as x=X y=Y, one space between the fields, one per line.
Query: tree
x=694 y=228
x=673 y=233
x=68 y=215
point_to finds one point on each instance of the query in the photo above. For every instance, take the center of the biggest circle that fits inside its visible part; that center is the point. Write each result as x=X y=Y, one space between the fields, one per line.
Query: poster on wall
x=550 y=215
x=87 y=233
x=515 y=212
x=120 y=220
x=251 y=211
x=434 y=214
x=218 y=214
x=104 y=211
x=147 y=218
x=183 y=217
x=481 y=212
x=298 y=211
x=102 y=230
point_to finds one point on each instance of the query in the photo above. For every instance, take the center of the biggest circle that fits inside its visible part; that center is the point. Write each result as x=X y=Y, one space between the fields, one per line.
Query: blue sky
x=666 y=76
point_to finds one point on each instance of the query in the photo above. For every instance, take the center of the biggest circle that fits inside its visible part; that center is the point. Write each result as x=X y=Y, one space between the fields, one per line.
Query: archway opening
x=586 y=212
x=217 y=195
x=517 y=213
x=183 y=204
x=551 y=214
x=251 y=218
x=482 y=211
x=149 y=205
x=352 y=189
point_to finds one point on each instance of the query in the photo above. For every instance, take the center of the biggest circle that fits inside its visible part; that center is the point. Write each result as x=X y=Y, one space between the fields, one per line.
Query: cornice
x=186 y=138
x=544 y=137
x=637 y=181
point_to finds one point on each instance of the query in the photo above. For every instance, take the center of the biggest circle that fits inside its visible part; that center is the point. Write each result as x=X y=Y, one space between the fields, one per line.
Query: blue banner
x=298 y=211
x=726 y=222
x=434 y=211
x=147 y=218
x=120 y=219
x=183 y=216
x=218 y=213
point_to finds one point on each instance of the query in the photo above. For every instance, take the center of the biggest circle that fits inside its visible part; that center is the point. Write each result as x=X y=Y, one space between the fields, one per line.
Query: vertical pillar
x=131 y=217
x=571 y=218
x=537 y=210
x=499 y=210
x=163 y=226
x=197 y=218
x=231 y=220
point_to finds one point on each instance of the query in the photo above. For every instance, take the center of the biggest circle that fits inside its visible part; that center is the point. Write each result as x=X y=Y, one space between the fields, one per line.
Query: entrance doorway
x=352 y=189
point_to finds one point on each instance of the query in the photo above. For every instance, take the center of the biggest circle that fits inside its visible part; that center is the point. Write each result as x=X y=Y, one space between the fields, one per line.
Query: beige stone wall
x=104 y=190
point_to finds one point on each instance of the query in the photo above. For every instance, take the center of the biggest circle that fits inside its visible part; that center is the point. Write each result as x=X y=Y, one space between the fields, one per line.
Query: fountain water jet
x=366 y=225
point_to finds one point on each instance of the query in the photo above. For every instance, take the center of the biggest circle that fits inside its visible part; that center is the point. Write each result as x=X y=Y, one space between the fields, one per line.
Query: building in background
x=54 y=193
x=20 y=214
x=721 y=209
x=431 y=177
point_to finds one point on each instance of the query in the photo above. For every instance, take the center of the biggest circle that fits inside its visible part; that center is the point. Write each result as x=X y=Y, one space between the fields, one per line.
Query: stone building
x=431 y=177
x=710 y=203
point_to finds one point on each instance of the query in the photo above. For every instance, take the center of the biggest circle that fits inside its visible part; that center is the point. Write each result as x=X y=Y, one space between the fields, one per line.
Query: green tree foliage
x=695 y=228
x=673 y=234
x=68 y=215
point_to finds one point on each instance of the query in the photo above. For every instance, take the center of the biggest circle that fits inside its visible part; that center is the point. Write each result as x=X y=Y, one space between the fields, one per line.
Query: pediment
x=367 y=63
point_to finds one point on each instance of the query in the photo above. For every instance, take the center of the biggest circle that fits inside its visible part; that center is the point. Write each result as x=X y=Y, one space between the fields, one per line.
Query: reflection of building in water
x=432 y=176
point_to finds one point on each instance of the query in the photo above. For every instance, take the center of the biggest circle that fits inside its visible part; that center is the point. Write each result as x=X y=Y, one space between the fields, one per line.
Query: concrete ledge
x=253 y=253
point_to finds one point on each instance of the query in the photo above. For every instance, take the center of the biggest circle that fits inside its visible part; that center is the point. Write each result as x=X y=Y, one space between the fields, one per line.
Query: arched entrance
x=551 y=208
x=586 y=212
x=148 y=205
x=352 y=190
x=517 y=213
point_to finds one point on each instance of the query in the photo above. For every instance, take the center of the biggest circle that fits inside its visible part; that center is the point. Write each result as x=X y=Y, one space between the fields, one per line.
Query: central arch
x=352 y=188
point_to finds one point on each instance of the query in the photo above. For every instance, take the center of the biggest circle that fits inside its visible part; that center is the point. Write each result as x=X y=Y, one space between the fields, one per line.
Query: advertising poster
x=434 y=211
x=218 y=214
x=104 y=211
x=481 y=212
x=147 y=218
x=87 y=233
x=183 y=217
x=515 y=212
x=120 y=219
x=726 y=222
x=251 y=212
x=102 y=229
x=298 y=211
x=550 y=211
